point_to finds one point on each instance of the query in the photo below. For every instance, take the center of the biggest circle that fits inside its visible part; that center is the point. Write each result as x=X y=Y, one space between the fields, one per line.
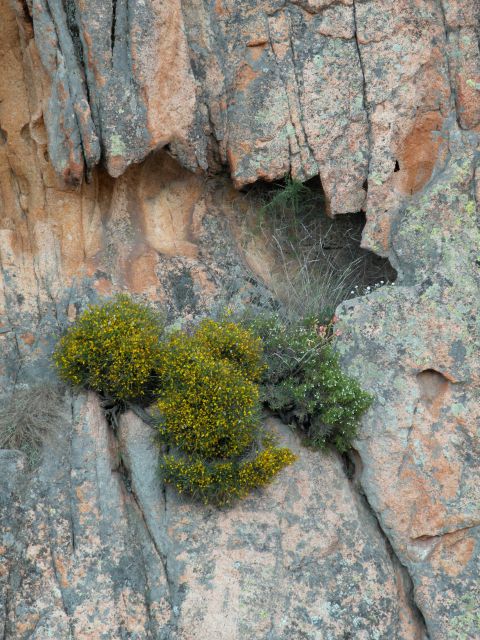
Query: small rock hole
x=25 y=133
x=397 y=167
x=433 y=385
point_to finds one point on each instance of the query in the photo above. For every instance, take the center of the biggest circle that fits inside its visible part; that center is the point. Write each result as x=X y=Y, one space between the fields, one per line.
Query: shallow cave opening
x=319 y=259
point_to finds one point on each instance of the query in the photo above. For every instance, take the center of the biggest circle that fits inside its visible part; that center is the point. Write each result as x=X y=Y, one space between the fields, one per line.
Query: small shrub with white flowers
x=303 y=383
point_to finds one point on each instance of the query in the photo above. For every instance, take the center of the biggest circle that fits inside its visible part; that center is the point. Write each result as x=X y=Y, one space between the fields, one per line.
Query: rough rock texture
x=100 y=553
x=341 y=89
x=381 y=98
x=417 y=345
x=158 y=231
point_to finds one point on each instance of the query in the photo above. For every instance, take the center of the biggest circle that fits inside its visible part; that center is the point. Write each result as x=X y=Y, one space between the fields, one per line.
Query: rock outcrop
x=416 y=344
x=349 y=90
x=118 y=122
x=103 y=551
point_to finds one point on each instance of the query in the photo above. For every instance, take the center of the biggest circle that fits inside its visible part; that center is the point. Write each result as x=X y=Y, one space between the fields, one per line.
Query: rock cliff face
x=121 y=125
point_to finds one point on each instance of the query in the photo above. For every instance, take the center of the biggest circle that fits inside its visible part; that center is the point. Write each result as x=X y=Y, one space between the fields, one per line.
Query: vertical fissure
x=364 y=85
x=447 y=60
x=114 y=23
x=351 y=463
x=7 y=606
x=162 y=556
x=65 y=21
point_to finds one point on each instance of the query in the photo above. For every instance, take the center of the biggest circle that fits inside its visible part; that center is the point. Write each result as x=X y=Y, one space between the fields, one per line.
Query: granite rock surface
x=102 y=550
x=356 y=91
x=123 y=127
x=417 y=345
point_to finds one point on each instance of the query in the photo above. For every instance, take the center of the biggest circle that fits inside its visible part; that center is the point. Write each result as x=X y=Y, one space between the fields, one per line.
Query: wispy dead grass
x=319 y=261
x=28 y=417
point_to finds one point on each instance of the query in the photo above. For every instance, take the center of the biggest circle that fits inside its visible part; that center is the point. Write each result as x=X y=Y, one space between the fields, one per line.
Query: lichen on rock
x=123 y=127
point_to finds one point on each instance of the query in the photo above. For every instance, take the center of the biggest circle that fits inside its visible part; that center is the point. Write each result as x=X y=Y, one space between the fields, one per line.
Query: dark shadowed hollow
x=321 y=261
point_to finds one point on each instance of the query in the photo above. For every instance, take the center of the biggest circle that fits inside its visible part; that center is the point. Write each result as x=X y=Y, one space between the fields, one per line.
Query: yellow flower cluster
x=223 y=481
x=209 y=405
x=207 y=389
x=265 y=465
x=229 y=341
x=112 y=348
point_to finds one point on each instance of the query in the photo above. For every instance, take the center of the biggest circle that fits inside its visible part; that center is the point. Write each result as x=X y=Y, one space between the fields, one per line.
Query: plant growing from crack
x=209 y=384
x=319 y=260
x=302 y=381
x=209 y=414
x=112 y=348
x=29 y=417
x=206 y=385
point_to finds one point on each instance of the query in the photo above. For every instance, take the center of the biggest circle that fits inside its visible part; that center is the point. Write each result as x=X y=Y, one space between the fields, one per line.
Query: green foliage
x=113 y=349
x=209 y=413
x=320 y=260
x=292 y=198
x=304 y=384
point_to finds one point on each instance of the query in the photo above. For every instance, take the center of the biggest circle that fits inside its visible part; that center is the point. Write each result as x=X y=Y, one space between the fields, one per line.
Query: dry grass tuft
x=319 y=261
x=28 y=417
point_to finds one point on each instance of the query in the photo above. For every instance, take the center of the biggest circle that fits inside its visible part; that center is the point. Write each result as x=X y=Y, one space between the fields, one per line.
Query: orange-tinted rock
x=340 y=89
x=98 y=553
x=381 y=99
x=416 y=346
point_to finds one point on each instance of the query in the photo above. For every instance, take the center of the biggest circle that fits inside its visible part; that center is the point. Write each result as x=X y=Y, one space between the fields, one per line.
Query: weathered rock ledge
x=102 y=550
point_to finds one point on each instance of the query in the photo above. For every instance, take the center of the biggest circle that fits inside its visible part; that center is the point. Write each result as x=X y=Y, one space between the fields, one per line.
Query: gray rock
x=104 y=550
x=415 y=345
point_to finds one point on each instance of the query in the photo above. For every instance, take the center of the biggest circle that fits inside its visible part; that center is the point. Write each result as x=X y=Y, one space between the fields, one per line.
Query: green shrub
x=304 y=384
x=209 y=413
x=293 y=197
x=113 y=348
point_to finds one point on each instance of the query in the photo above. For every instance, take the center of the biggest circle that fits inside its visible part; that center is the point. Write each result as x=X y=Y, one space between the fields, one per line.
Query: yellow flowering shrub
x=230 y=341
x=220 y=482
x=209 y=413
x=112 y=348
x=263 y=467
x=209 y=407
x=206 y=385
